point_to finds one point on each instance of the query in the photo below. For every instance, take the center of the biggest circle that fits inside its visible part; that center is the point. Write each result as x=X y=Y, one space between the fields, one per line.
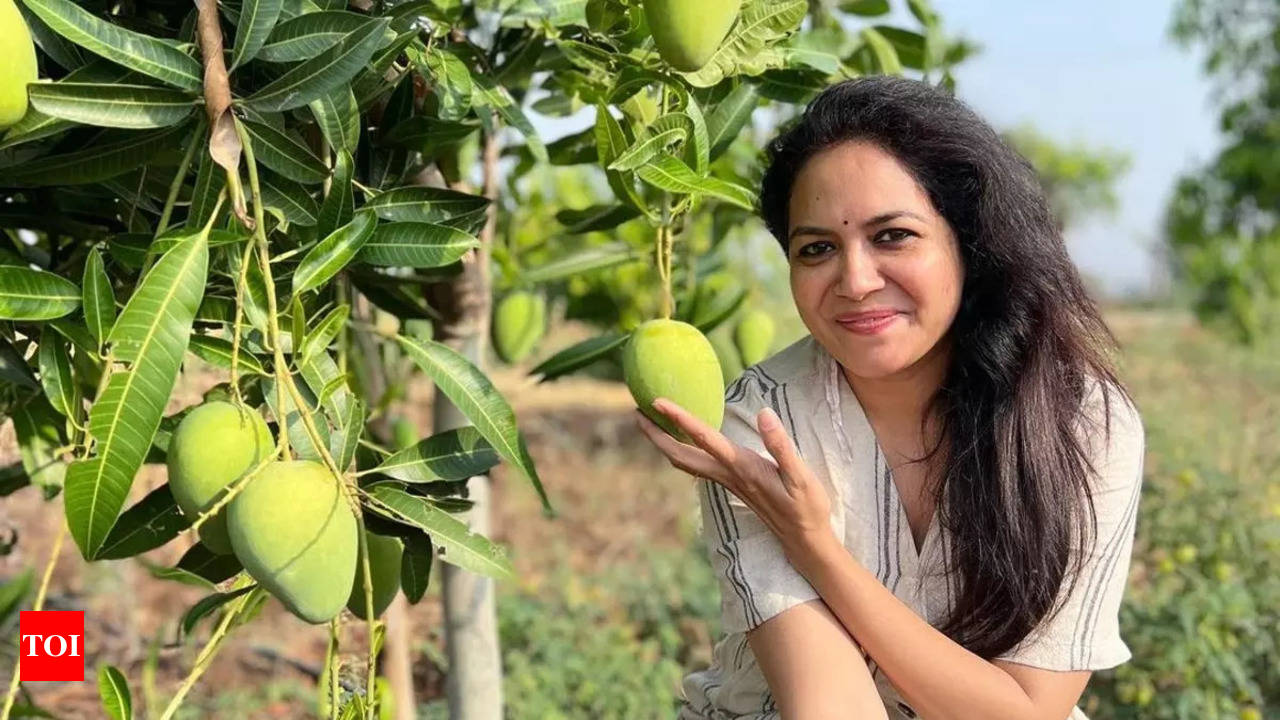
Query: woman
x=937 y=510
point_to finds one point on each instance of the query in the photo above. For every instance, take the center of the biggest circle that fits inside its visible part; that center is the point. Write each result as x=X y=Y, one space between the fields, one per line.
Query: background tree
x=1222 y=223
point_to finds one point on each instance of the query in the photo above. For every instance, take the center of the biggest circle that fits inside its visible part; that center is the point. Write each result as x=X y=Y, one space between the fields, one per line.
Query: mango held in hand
x=214 y=445
x=19 y=66
x=687 y=32
x=672 y=359
x=754 y=336
x=384 y=564
x=295 y=534
x=518 y=324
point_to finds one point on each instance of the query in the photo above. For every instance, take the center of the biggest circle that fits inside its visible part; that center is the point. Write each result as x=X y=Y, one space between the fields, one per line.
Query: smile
x=869 y=326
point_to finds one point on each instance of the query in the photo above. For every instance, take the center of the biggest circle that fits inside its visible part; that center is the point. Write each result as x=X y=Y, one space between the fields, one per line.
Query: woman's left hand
x=786 y=496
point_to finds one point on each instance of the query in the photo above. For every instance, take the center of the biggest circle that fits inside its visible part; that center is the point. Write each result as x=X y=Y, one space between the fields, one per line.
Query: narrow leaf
x=451 y=455
x=97 y=296
x=584 y=261
x=416 y=244
x=306 y=36
x=150 y=336
x=97 y=163
x=217 y=351
x=578 y=355
x=257 y=17
x=415 y=568
x=458 y=544
x=27 y=294
x=425 y=204
x=729 y=117
x=55 y=374
x=476 y=397
x=333 y=253
x=667 y=172
x=339 y=118
x=645 y=148
x=326 y=71
x=285 y=154
x=160 y=59
x=112 y=105
x=151 y=522
x=339 y=204
x=114 y=691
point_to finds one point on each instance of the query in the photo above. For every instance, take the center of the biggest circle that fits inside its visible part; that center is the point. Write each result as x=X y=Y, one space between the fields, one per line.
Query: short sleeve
x=756 y=579
x=1085 y=633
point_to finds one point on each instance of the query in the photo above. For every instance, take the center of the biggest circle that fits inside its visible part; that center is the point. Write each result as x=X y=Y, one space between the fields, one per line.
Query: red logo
x=51 y=645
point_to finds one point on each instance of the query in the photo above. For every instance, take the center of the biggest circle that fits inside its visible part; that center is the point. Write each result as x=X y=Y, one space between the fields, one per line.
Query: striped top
x=804 y=386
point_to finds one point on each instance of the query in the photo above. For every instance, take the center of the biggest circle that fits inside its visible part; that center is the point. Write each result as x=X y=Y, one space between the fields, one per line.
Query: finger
x=685 y=457
x=782 y=448
x=703 y=435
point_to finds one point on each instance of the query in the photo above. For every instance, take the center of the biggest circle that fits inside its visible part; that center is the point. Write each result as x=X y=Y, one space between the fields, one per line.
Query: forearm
x=939 y=678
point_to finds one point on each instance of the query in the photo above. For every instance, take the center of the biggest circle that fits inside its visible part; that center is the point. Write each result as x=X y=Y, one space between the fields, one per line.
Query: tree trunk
x=474 y=682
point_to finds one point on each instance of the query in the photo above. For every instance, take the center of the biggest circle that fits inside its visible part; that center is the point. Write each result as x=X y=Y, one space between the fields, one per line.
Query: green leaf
x=451 y=455
x=610 y=143
x=475 y=396
x=885 y=54
x=324 y=332
x=866 y=8
x=150 y=336
x=150 y=523
x=202 y=562
x=338 y=116
x=13 y=368
x=114 y=691
x=425 y=204
x=111 y=104
x=339 y=204
x=645 y=148
x=458 y=544
x=36 y=125
x=595 y=217
x=38 y=430
x=729 y=117
x=428 y=135
x=451 y=82
x=416 y=244
x=306 y=36
x=667 y=172
x=55 y=373
x=349 y=429
x=333 y=253
x=289 y=198
x=285 y=154
x=217 y=351
x=98 y=299
x=257 y=18
x=96 y=163
x=746 y=50
x=160 y=59
x=321 y=74
x=586 y=260
x=415 y=568
x=27 y=294
x=579 y=355
x=210 y=180
x=206 y=605
x=698 y=148
x=487 y=92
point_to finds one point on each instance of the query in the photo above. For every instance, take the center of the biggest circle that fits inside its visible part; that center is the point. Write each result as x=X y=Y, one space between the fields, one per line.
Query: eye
x=805 y=251
x=896 y=235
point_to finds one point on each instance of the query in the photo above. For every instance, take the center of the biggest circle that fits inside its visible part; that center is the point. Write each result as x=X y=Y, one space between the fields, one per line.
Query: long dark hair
x=1027 y=342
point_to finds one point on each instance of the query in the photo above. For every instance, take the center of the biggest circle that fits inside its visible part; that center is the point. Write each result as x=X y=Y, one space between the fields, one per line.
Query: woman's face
x=864 y=237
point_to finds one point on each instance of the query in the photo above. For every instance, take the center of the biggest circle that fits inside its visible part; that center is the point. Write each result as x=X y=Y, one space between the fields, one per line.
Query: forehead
x=854 y=181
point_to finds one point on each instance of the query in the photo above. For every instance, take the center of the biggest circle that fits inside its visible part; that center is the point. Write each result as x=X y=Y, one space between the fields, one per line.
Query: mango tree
x=287 y=190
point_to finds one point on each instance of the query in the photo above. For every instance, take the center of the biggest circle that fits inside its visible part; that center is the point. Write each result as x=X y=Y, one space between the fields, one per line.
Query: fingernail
x=655 y=403
x=768 y=420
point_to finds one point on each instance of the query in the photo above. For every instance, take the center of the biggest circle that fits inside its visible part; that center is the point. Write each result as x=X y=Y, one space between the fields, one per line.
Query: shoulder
x=796 y=368
x=1110 y=419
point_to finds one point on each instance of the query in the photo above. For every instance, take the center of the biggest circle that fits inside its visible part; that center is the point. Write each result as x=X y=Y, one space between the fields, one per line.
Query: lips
x=866 y=316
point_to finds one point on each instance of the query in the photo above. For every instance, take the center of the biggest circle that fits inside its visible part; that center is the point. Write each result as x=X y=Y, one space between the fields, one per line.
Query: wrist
x=809 y=554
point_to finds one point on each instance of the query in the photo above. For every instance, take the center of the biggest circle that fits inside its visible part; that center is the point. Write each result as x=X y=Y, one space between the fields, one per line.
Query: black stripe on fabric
x=722 y=529
x=733 y=520
x=895 y=512
x=882 y=521
x=736 y=577
x=1113 y=548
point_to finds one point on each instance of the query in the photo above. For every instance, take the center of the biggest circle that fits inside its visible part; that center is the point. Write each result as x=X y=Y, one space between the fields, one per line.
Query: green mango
x=518 y=324
x=213 y=445
x=727 y=354
x=754 y=336
x=19 y=67
x=384 y=564
x=672 y=359
x=688 y=32
x=294 y=532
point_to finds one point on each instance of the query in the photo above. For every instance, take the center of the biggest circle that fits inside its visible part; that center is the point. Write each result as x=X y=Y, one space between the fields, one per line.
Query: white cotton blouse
x=804 y=386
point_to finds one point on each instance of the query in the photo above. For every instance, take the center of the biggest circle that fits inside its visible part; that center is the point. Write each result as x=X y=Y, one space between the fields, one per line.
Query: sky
x=1104 y=73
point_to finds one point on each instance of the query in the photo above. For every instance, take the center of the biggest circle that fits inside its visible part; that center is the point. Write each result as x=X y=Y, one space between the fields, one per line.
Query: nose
x=859 y=272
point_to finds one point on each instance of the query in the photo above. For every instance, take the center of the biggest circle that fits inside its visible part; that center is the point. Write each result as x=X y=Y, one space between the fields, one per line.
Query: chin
x=873 y=361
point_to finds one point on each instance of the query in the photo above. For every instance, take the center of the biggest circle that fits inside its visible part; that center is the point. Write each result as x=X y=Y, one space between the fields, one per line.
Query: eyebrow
x=877 y=220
